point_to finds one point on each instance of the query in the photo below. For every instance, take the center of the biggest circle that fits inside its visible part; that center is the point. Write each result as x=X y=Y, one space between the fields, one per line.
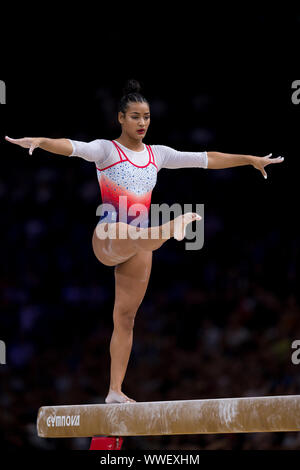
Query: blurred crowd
x=214 y=323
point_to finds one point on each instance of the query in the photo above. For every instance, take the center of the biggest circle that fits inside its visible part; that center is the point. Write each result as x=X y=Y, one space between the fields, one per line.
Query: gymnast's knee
x=124 y=318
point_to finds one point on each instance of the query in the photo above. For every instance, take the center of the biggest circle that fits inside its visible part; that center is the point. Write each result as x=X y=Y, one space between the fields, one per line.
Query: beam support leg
x=106 y=443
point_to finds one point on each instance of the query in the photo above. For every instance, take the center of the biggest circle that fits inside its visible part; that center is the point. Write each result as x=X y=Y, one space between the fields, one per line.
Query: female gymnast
x=128 y=167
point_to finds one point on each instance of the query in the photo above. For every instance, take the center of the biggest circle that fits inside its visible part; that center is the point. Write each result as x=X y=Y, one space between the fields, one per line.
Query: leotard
x=127 y=178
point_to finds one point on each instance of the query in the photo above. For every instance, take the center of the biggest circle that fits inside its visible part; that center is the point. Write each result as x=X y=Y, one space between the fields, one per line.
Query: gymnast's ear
x=121 y=117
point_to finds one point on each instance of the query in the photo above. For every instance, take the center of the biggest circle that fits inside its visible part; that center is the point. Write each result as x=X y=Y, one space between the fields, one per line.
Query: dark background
x=218 y=322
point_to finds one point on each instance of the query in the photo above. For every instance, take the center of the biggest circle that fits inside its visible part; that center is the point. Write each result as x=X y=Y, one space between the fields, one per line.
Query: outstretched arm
x=59 y=146
x=217 y=160
x=95 y=151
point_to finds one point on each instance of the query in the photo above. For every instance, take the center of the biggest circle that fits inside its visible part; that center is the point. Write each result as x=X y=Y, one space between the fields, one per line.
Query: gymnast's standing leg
x=131 y=281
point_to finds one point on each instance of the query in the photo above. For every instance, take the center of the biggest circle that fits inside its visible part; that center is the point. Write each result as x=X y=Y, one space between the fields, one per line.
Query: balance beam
x=213 y=416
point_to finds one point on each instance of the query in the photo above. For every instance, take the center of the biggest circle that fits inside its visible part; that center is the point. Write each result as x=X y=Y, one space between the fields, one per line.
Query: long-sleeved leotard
x=133 y=175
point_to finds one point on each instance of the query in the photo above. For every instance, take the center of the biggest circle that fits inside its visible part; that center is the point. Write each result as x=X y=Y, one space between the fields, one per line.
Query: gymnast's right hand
x=30 y=143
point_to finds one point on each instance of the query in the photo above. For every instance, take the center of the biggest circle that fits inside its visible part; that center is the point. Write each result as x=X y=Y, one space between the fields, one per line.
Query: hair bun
x=132 y=86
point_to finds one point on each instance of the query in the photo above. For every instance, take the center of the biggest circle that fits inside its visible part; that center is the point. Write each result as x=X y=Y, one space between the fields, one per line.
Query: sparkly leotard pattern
x=127 y=178
x=133 y=182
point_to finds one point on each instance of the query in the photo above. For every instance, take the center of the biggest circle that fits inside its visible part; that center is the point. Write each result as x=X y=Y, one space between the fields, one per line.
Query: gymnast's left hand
x=260 y=162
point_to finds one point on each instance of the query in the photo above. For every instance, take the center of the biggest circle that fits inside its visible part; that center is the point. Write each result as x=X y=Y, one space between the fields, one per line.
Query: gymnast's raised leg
x=114 y=243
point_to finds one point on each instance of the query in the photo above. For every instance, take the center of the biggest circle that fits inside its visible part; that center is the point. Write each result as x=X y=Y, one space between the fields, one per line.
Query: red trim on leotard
x=138 y=166
x=113 y=164
x=150 y=152
x=149 y=148
x=120 y=151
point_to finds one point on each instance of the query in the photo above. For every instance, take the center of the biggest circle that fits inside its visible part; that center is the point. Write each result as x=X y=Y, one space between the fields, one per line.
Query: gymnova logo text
x=62 y=421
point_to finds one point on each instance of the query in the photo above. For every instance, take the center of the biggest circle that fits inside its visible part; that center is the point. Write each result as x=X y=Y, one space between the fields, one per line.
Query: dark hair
x=131 y=94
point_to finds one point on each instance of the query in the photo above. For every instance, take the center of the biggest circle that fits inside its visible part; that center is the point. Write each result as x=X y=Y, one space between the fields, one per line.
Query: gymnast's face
x=136 y=120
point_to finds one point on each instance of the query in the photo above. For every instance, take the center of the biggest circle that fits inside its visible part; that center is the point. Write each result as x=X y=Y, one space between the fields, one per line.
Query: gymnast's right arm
x=59 y=146
x=94 y=151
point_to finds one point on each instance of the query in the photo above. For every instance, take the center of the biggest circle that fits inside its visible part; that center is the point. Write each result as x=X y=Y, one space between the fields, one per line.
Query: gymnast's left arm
x=217 y=160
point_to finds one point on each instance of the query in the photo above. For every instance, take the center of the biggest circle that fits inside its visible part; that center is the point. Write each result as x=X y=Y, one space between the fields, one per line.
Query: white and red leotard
x=124 y=172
